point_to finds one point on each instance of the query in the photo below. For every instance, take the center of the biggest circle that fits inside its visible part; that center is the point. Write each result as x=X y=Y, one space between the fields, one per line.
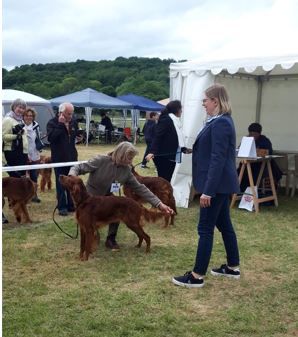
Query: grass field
x=49 y=292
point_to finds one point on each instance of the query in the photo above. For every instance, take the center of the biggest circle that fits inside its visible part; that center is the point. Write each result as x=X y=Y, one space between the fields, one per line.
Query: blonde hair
x=219 y=92
x=32 y=111
x=123 y=153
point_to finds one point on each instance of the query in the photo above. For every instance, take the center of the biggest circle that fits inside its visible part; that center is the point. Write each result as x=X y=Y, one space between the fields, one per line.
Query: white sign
x=247 y=148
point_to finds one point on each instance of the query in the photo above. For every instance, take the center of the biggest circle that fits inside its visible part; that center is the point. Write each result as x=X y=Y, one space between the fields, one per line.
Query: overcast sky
x=47 y=31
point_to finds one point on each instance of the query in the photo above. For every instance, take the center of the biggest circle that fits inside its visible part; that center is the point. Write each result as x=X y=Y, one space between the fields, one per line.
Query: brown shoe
x=112 y=244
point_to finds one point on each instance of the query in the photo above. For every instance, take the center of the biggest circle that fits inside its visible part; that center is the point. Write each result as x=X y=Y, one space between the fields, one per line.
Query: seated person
x=264 y=143
x=106 y=121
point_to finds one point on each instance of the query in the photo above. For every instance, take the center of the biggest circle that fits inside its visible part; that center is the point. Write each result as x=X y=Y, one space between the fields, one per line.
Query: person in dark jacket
x=62 y=133
x=149 y=131
x=168 y=141
x=264 y=143
x=215 y=177
x=106 y=121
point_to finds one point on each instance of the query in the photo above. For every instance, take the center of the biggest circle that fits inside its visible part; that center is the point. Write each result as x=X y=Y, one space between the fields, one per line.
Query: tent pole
x=259 y=98
x=88 y=111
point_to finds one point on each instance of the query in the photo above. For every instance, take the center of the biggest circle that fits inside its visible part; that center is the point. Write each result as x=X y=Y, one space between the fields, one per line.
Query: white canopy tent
x=261 y=90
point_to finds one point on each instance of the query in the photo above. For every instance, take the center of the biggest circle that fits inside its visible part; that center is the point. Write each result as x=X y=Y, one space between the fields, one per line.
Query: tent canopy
x=141 y=103
x=91 y=98
x=41 y=105
x=9 y=95
x=261 y=90
x=164 y=101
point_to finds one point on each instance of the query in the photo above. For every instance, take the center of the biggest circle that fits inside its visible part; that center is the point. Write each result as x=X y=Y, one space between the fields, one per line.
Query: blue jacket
x=149 y=130
x=213 y=158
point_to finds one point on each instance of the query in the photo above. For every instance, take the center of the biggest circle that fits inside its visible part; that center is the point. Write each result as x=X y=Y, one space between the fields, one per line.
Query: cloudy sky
x=48 y=31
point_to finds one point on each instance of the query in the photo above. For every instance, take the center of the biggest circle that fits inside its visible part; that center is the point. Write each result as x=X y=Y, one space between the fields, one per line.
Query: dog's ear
x=76 y=189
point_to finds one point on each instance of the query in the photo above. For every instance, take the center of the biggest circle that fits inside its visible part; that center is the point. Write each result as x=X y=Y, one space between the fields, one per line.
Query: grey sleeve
x=142 y=191
x=92 y=165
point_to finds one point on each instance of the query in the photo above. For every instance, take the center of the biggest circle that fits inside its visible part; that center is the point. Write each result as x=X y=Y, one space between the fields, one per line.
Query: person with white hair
x=14 y=137
x=62 y=132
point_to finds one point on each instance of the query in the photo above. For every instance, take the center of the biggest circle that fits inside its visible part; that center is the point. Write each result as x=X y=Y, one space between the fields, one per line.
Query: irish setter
x=93 y=212
x=45 y=174
x=158 y=186
x=19 y=191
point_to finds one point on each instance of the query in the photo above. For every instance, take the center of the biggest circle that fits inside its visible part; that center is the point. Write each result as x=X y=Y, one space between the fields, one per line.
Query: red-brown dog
x=19 y=191
x=93 y=212
x=158 y=186
x=45 y=174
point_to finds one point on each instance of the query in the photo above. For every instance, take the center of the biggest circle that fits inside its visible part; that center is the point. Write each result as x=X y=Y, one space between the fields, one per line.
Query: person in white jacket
x=14 y=136
x=34 y=144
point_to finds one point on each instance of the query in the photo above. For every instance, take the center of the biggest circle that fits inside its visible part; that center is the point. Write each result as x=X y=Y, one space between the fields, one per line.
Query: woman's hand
x=186 y=150
x=165 y=208
x=205 y=201
x=149 y=156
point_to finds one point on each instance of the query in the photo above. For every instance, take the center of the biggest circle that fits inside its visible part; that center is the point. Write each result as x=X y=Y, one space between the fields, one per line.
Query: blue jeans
x=64 y=199
x=218 y=214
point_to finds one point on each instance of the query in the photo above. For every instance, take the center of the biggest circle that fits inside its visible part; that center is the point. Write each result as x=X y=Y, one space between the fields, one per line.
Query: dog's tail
x=153 y=215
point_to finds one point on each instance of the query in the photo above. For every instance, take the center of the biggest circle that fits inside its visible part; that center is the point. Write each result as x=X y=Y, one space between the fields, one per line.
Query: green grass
x=48 y=291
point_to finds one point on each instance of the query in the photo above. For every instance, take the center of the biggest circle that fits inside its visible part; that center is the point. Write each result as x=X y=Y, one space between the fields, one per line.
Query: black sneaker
x=112 y=244
x=36 y=199
x=188 y=281
x=224 y=270
x=144 y=166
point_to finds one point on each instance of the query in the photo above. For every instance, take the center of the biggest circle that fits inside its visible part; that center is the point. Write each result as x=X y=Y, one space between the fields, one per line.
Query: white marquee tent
x=261 y=90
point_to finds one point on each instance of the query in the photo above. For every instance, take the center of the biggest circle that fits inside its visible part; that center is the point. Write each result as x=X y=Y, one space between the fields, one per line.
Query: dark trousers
x=144 y=161
x=218 y=214
x=33 y=175
x=113 y=229
x=165 y=167
x=15 y=158
x=64 y=199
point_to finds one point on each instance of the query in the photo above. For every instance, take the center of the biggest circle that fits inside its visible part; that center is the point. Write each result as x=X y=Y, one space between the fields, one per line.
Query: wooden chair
x=283 y=164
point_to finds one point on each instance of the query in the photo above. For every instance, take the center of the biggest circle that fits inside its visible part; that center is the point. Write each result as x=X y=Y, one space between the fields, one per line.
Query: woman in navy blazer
x=215 y=177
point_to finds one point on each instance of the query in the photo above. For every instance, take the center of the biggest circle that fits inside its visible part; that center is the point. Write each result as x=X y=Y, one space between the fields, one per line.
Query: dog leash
x=157 y=155
x=72 y=237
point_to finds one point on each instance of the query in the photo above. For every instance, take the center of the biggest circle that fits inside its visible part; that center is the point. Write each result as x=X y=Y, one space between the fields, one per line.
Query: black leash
x=158 y=155
x=72 y=237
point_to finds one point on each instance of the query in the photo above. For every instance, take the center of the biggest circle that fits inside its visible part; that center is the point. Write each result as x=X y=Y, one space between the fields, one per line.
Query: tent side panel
x=279 y=116
x=190 y=90
x=243 y=97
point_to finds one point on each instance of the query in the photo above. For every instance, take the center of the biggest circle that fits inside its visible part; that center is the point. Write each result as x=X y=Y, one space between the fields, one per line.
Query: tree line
x=147 y=77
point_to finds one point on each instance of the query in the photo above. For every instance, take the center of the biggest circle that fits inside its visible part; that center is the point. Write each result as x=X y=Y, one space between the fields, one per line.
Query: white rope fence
x=40 y=166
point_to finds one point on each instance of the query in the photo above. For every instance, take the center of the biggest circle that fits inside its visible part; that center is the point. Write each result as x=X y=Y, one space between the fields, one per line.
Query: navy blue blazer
x=213 y=158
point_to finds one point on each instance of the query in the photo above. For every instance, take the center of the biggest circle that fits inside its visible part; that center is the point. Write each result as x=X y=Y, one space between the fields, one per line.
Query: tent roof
x=91 y=98
x=164 y=101
x=142 y=103
x=9 y=95
x=257 y=66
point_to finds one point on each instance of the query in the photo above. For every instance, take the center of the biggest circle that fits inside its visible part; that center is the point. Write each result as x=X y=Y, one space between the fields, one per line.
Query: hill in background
x=142 y=76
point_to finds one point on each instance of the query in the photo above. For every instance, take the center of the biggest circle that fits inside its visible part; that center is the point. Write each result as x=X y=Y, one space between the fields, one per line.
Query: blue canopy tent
x=139 y=103
x=90 y=98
